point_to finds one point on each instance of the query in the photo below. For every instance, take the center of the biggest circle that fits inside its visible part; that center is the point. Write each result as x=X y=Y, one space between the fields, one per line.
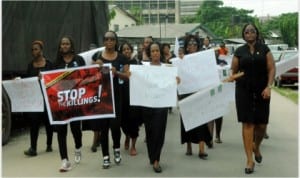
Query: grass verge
x=290 y=93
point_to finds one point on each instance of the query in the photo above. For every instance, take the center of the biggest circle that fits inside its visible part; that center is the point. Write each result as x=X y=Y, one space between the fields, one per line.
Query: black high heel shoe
x=258 y=159
x=249 y=170
x=157 y=169
x=203 y=156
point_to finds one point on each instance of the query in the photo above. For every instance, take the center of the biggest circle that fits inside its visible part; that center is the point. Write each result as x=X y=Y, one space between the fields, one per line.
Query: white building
x=121 y=20
x=161 y=11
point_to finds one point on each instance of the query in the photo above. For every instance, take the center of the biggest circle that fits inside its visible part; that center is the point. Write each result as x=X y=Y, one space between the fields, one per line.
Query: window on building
x=153 y=19
x=171 y=4
x=162 y=5
x=153 y=4
x=171 y=18
x=116 y=27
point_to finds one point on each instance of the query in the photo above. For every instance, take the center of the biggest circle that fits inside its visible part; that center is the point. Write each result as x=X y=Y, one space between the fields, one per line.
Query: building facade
x=160 y=11
x=121 y=20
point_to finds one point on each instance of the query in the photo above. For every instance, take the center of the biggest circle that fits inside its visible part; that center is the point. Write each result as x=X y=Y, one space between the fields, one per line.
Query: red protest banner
x=78 y=94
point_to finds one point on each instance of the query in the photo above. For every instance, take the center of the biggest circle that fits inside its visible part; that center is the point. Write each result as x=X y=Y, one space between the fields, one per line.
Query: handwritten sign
x=197 y=71
x=153 y=86
x=206 y=105
x=87 y=55
x=25 y=95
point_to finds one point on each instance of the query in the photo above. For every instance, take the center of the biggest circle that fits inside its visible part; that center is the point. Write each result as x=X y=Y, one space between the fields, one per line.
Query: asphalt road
x=280 y=152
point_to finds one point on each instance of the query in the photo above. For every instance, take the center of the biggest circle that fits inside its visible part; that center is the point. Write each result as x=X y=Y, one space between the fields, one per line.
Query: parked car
x=289 y=78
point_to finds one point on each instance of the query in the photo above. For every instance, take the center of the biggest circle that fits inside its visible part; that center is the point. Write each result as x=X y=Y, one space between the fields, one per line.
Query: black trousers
x=114 y=124
x=155 y=120
x=62 y=131
x=36 y=118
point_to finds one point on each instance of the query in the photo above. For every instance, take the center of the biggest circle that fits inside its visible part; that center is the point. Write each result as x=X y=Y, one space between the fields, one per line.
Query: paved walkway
x=280 y=152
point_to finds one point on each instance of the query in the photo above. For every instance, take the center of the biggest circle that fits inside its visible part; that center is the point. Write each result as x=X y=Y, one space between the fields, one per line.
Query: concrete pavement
x=280 y=152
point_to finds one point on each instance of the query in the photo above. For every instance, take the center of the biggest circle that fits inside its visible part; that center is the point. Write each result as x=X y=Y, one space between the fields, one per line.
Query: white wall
x=121 y=20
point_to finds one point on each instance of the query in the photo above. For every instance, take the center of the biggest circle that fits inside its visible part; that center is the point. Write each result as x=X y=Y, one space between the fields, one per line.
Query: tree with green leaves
x=225 y=22
x=288 y=25
x=112 y=14
x=137 y=13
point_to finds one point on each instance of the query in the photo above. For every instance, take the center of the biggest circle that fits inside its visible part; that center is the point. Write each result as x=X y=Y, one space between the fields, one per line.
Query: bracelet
x=269 y=86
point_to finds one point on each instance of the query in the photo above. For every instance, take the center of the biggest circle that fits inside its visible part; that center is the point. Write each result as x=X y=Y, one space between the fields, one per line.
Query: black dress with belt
x=250 y=105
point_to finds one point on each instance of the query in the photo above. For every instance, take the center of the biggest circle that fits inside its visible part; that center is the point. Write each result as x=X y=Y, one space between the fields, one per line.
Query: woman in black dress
x=253 y=91
x=199 y=135
x=38 y=64
x=131 y=115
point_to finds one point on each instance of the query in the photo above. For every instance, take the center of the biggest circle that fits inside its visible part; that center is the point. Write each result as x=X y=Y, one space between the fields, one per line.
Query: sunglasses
x=109 y=38
x=34 y=49
x=253 y=31
x=192 y=43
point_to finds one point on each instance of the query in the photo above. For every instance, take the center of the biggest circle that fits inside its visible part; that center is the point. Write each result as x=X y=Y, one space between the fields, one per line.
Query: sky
x=265 y=7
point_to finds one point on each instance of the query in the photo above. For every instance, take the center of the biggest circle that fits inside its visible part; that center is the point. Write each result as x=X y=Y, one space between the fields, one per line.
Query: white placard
x=206 y=105
x=147 y=63
x=224 y=72
x=197 y=71
x=176 y=47
x=25 y=95
x=87 y=55
x=153 y=86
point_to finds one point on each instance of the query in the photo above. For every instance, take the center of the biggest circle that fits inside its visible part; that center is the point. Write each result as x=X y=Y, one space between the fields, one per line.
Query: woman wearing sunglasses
x=119 y=69
x=199 y=135
x=253 y=91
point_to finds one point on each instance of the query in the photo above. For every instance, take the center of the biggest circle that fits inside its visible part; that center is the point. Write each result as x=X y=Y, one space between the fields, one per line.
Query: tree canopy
x=227 y=22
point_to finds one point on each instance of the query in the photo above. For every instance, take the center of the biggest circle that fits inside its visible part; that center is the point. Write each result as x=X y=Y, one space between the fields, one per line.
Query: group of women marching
x=252 y=100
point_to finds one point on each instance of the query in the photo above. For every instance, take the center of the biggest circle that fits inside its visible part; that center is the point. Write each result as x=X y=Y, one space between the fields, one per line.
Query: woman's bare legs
x=133 y=149
x=259 y=132
x=189 y=148
x=248 y=130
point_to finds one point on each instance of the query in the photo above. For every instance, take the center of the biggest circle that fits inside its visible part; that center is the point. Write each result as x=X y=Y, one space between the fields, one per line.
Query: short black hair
x=116 y=37
x=165 y=44
x=123 y=44
x=148 y=50
x=188 y=38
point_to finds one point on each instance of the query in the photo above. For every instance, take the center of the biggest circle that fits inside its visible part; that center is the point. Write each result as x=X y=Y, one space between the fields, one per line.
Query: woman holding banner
x=253 y=91
x=38 y=64
x=66 y=58
x=199 y=135
x=119 y=69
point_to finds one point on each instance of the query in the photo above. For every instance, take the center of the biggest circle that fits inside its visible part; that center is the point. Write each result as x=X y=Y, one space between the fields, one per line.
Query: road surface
x=280 y=152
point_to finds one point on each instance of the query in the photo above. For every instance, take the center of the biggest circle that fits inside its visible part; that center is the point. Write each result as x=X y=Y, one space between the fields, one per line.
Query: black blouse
x=118 y=63
x=76 y=62
x=34 y=71
x=254 y=67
